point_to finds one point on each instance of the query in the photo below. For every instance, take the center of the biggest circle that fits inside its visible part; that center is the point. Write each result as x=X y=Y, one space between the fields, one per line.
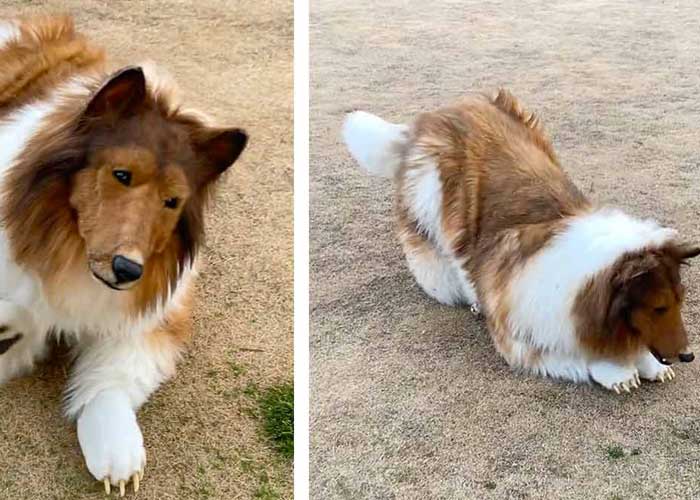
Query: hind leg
x=21 y=345
x=438 y=275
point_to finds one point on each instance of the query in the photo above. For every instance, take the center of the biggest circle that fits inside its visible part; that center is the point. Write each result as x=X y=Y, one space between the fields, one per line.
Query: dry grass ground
x=202 y=430
x=408 y=398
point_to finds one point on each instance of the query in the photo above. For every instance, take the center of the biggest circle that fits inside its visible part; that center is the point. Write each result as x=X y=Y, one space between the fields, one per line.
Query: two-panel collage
x=282 y=249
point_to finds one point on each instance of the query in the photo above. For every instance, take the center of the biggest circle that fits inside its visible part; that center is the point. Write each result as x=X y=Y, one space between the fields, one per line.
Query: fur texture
x=104 y=179
x=487 y=217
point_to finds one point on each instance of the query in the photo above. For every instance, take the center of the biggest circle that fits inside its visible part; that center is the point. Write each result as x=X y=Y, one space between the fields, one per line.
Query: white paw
x=615 y=377
x=651 y=369
x=111 y=440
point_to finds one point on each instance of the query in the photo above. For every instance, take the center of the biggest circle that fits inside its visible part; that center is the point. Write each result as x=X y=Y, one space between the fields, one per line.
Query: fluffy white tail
x=374 y=143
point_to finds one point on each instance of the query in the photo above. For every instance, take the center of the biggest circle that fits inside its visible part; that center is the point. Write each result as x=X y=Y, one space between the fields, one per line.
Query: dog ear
x=120 y=95
x=625 y=285
x=217 y=149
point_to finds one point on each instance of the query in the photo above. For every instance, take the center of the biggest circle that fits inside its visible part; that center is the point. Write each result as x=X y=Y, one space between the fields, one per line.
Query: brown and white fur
x=487 y=217
x=103 y=181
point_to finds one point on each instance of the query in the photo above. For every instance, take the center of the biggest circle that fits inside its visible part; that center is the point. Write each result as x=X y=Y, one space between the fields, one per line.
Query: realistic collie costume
x=487 y=217
x=103 y=182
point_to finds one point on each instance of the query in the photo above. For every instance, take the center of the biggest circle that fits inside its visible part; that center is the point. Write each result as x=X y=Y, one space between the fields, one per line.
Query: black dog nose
x=686 y=357
x=126 y=270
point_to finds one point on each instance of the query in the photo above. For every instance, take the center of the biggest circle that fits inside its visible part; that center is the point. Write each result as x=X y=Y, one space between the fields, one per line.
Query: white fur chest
x=86 y=307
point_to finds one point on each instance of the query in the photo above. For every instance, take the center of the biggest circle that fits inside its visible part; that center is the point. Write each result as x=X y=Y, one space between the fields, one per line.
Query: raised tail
x=375 y=144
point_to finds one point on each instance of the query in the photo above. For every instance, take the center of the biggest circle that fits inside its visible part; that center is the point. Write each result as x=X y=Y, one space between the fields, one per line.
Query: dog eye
x=171 y=203
x=123 y=176
x=660 y=310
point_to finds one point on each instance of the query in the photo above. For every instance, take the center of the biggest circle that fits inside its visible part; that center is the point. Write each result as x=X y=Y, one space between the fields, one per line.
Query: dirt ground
x=409 y=400
x=203 y=438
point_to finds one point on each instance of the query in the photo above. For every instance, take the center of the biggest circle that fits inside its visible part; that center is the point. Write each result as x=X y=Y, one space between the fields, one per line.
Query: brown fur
x=175 y=329
x=63 y=208
x=48 y=52
x=500 y=176
x=498 y=172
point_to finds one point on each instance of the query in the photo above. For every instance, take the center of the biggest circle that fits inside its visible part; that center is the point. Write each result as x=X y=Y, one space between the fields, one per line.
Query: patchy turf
x=202 y=430
x=615 y=452
x=277 y=407
x=409 y=399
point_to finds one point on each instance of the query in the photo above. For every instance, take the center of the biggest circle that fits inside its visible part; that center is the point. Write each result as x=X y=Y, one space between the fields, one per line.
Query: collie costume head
x=638 y=302
x=113 y=181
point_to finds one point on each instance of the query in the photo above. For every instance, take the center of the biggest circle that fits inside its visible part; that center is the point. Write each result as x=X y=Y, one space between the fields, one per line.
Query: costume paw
x=651 y=369
x=111 y=441
x=615 y=377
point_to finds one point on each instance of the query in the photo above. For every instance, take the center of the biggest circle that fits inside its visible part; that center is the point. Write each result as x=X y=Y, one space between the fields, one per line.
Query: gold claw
x=625 y=387
x=135 y=480
x=122 y=488
x=616 y=388
x=108 y=487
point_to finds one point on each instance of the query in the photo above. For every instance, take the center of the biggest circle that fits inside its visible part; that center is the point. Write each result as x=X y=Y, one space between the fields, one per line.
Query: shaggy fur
x=104 y=179
x=487 y=217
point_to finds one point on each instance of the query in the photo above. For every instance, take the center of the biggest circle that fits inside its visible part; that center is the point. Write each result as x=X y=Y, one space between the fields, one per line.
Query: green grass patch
x=251 y=390
x=237 y=369
x=248 y=465
x=277 y=409
x=266 y=492
x=615 y=452
x=203 y=489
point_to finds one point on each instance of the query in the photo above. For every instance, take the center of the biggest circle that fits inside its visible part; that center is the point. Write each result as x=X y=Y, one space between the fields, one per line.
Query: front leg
x=651 y=369
x=112 y=378
x=615 y=376
x=111 y=440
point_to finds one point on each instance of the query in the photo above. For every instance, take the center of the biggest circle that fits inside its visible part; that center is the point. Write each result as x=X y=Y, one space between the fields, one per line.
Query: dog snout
x=686 y=357
x=125 y=269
